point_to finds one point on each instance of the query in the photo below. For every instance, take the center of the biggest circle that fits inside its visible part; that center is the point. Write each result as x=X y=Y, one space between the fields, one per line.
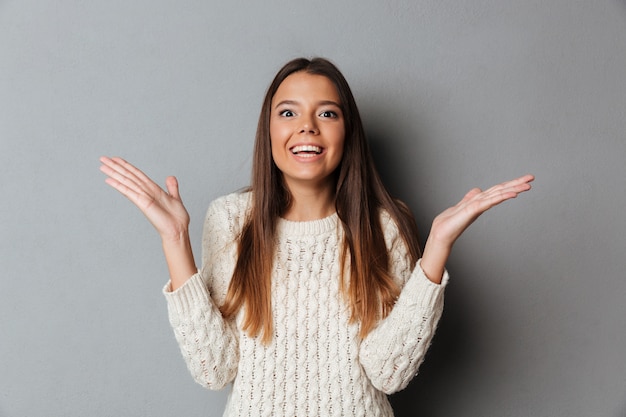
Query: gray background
x=454 y=94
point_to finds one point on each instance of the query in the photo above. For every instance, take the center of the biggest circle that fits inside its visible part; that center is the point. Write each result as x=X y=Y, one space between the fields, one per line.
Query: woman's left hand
x=451 y=223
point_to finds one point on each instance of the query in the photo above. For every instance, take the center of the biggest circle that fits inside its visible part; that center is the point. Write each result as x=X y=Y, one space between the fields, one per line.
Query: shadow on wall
x=451 y=353
x=392 y=165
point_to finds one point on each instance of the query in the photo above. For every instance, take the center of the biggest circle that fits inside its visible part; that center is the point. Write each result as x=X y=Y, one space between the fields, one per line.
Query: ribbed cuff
x=186 y=298
x=426 y=292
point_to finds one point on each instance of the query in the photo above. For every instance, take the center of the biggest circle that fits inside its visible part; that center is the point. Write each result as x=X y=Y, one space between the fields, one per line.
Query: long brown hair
x=359 y=197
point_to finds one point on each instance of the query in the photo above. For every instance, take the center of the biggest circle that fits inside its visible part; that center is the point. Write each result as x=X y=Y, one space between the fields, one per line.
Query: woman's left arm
x=392 y=352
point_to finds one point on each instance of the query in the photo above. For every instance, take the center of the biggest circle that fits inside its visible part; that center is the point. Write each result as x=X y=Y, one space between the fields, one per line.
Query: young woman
x=313 y=297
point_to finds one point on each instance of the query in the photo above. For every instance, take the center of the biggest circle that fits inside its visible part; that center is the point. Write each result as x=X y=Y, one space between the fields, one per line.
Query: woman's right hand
x=164 y=209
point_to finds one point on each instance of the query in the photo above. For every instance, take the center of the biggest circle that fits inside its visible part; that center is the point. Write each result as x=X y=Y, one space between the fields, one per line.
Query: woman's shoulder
x=392 y=230
x=387 y=222
x=230 y=210
x=238 y=200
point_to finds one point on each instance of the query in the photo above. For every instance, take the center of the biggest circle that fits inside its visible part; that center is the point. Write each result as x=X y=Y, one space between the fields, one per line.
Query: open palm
x=451 y=223
x=164 y=209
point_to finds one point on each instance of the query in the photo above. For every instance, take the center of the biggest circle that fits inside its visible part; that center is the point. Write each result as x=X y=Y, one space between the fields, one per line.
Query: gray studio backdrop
x=454 y=94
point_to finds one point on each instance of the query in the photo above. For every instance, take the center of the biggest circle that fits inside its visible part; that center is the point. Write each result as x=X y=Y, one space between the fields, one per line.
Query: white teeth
x=306 y=148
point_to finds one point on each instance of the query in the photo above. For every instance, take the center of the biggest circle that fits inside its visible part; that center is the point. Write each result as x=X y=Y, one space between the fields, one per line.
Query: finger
x=120 y=176
x=172 y=187
x=130 y=172
x=127 y=192
x=523 y=180
x=526 y=178
x=516 y=186
x=485 y=200
x=129 y=175
x=127 y=167
x=497 y=196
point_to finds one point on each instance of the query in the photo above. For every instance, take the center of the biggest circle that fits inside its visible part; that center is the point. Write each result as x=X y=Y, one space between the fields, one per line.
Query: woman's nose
x=309 y=126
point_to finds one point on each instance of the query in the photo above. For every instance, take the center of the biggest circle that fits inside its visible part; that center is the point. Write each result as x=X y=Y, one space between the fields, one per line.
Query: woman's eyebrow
x=329 y=103
x=286 y=102
x=320 y=103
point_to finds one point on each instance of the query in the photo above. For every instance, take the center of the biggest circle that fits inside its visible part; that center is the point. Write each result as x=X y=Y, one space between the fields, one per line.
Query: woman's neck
x=310 y=204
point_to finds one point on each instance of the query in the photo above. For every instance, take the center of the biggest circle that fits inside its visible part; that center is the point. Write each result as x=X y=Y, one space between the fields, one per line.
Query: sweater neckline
x=310 y=227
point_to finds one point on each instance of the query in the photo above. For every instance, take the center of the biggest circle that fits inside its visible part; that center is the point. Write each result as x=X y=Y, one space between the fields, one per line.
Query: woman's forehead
x=302 y=86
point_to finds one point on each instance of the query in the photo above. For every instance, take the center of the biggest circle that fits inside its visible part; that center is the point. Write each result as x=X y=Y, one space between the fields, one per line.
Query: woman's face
x=307 y=130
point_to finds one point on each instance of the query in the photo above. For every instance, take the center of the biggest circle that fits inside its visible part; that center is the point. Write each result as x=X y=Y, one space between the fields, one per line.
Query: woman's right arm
x=208 y=343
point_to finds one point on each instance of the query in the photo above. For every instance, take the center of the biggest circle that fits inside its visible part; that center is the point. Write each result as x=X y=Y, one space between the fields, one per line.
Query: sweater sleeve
x=393 y=351
x=207 y=341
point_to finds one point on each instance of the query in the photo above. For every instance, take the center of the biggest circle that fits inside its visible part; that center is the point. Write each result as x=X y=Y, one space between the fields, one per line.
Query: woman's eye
x=328 y=113
x=286 y=113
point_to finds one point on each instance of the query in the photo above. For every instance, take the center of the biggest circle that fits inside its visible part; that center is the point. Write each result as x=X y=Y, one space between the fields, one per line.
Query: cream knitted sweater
x=316 y=364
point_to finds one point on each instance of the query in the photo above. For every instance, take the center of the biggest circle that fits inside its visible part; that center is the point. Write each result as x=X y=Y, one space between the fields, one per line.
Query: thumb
x=172 y=187
x=471 y=193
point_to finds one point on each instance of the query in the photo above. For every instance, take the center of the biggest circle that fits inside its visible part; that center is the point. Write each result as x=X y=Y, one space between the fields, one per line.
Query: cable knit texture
x=316 y=364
